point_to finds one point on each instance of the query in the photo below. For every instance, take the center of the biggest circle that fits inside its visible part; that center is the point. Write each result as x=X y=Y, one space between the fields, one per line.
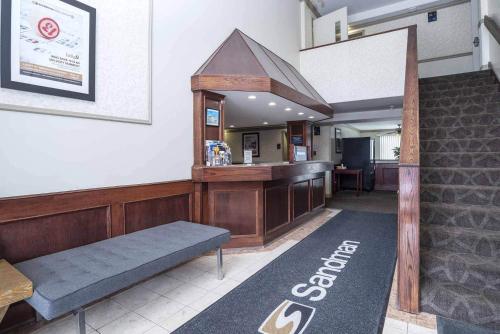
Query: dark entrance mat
x=352 y=257
x=449 y=326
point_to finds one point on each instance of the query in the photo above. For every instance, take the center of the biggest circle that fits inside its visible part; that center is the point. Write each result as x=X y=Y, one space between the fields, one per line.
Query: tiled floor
x=165 y=302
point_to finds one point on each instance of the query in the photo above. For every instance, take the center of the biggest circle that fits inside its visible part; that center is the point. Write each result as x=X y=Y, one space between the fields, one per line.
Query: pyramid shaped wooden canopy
x=242 y=64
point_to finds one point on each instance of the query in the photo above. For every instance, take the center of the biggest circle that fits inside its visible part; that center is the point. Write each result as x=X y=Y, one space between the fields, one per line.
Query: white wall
x=451 y=34
x=324 y=27
x=366 y=68
x=445 y=67
x=268 y=145
x=491 y=48
x=306 y=26
x=41 y=153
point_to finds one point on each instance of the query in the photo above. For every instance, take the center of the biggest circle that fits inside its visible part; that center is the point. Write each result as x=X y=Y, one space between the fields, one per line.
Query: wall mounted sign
x=213 y=117
x=247 y=157
x=251 y=142
x=48 y=47
x=432 y=16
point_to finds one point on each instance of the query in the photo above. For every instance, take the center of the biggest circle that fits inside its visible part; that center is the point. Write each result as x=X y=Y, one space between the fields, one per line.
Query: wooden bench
x=67 y=281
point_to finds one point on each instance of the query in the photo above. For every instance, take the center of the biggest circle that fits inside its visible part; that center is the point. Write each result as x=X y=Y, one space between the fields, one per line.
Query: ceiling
x=353 y=6
x=372 y=126
x=369 y=104
x=242 y=112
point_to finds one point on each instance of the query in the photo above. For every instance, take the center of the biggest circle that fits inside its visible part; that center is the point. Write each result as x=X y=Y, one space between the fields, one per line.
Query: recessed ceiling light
x=288 y=109
x=265 y=123
x=252 y=97
x=300 y=113
x=311 y=117
x=272 y=104
x=231 y=126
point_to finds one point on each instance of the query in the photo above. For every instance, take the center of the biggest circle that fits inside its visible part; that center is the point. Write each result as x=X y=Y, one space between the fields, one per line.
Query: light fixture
x=311 y=117
x=288 y=109
x=252 y=97
x=272 y=104
x=231 y=126
x=265 y=123
x=300 y=113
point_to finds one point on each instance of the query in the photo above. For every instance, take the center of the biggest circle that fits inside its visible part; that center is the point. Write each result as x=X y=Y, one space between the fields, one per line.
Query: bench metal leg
x=220 y=271
x=80 y=321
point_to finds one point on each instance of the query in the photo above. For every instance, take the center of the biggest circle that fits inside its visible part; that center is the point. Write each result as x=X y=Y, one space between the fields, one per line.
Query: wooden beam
x=246 y=83
x=409 y=186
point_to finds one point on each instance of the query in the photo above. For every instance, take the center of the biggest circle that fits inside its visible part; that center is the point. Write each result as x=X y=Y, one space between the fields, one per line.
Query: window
x=338 y=36
x=387 y=144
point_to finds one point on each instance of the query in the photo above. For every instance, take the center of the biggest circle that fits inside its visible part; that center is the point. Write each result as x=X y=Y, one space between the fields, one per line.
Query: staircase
x=460 y=197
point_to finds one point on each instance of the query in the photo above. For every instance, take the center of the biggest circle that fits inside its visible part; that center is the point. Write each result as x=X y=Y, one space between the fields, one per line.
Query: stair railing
x=409 y=186
x=492 y=27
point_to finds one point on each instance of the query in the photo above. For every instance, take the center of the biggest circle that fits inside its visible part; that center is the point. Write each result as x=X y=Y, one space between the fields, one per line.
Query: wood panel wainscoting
x=409 y=186
x=38 y=225
x=257 y=212
x=387 y=176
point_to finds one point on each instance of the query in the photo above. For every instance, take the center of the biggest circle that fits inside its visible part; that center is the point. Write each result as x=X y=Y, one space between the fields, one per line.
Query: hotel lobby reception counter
x=260 y=202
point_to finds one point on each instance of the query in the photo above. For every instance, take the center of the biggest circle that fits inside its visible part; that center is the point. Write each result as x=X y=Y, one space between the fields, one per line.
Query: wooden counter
x=257 y=203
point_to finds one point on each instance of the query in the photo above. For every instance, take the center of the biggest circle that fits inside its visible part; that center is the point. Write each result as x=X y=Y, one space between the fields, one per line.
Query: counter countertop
x=259 y=172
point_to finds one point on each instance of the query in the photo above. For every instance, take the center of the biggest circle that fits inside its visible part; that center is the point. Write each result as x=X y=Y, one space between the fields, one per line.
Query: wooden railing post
x=409 y=186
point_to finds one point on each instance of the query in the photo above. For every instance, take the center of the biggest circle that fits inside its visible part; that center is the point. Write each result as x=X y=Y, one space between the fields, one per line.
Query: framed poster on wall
x=48 y=47
x=251 y=142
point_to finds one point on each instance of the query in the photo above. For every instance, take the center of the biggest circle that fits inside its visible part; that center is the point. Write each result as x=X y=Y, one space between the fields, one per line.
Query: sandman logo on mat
x=288 y=318
x=326 y=275
x=293 y=318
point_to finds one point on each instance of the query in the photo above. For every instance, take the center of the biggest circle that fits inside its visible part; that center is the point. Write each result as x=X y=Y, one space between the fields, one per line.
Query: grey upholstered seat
x=70 y=279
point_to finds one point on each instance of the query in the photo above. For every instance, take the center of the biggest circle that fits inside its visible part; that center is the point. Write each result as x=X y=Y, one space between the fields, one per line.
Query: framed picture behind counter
x=48 y=47
x=251 y=141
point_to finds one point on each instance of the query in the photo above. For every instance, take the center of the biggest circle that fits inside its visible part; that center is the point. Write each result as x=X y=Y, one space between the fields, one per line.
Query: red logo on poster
x=48 y=28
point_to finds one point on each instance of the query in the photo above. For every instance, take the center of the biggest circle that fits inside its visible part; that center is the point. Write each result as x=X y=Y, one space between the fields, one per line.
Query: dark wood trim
x=257 y=84
x=492 y=27
x=33 y=206
x=355 y=39
x=200 y=129
x=409 y=186
x=259 y=172
x=387 y=176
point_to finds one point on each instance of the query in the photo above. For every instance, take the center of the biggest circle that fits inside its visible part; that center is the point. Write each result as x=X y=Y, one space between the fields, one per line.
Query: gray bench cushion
x=70 y=279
